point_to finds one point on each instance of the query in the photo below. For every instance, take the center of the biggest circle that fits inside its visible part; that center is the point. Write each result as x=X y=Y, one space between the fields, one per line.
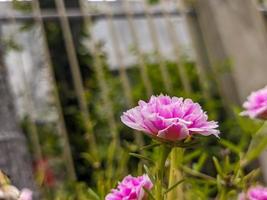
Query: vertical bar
x=77 y=78
x=216 y=54
x=122 y=71
x=116 y=46
x=142 y=65
x=202 y=61
x=173 y=40
x=114 y=146
x=98 y=67
x=63 y=130
x=154 y=38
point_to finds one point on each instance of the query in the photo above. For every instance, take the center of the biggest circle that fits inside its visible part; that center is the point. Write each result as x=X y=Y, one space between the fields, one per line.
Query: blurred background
x=69 y=68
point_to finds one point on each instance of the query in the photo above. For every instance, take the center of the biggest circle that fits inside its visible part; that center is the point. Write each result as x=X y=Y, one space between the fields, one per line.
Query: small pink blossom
x=242 y=196
x=131 y=188
x=254 y=193
x=25 y=194
x=256 y=104
x=169 y=118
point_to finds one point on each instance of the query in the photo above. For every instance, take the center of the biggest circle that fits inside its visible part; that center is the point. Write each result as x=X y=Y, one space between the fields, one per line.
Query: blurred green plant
x=212 y=170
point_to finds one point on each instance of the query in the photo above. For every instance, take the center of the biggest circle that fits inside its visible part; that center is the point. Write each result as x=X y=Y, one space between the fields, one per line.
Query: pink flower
x=131 y=188
x=256 y=104
x=242 y=196
x=169 y=118
x=25 y=194
x=254 y=193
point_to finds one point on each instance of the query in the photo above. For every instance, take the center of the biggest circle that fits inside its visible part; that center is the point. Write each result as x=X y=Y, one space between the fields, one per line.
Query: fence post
x=61 y=121
x=203 y=64
x=216 y=51
x=77 y=79
x=235 y=37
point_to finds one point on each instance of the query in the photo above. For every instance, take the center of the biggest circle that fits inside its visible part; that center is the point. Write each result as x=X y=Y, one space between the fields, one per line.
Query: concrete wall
x=234 y=32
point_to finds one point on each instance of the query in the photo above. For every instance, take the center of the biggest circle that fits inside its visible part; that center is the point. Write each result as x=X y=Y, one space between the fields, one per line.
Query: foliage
x=212 y=170
x=203 y=181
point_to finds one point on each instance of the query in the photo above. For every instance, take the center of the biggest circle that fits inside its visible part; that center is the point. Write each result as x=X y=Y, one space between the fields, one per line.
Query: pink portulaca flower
x=254 y=193
x=256 y=104
x=131 y=188
x=169 y=119
x=25 y=194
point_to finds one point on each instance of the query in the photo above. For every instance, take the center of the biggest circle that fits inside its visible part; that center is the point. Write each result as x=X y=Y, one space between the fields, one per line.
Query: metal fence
x=89 y=16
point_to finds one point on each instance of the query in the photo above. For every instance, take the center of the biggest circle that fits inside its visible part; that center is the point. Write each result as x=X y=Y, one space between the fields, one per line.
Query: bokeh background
x=69 y=68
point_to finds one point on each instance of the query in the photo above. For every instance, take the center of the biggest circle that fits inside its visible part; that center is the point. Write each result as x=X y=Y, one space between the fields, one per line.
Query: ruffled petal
x=169 y=118
x=256 y=104
x=173 y=132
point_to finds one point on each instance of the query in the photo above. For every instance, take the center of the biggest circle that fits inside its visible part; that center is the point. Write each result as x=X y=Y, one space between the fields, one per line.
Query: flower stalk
x=176 y=174
x=165 y=151
x=222 y=195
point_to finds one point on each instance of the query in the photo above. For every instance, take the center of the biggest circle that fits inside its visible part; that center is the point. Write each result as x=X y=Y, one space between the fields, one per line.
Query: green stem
x=222 y=195
x=165 y=151
x=175 y=174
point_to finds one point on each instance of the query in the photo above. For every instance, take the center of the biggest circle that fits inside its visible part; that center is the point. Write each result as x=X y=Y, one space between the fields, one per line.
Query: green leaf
x=254 y=153
x=141 y=157
x=88 y=157
x=251 y=175
x=234 y=148
x=153 y=1
x=149 y=173
x=93 y=195
x=257 y=144
x=192 y=155
x=150 y=146
x=217 y=166
x=173 y=186
x=146 y=169
x=198 y=174
x=201 y=161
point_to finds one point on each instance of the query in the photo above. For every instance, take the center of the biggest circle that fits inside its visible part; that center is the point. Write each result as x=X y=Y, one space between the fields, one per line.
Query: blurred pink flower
x=254 y=193
x=256 y=104
x=169 y=118
x=131 y=188
x=242 y=196
x=25 y=194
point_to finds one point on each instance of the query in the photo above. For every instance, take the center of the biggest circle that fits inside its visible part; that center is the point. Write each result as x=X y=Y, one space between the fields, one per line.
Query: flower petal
x=173 y=132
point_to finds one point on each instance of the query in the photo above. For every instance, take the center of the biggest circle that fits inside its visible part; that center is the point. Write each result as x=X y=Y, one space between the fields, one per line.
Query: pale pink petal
x=169 y=118
x=256 y=104
x=25 y=194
